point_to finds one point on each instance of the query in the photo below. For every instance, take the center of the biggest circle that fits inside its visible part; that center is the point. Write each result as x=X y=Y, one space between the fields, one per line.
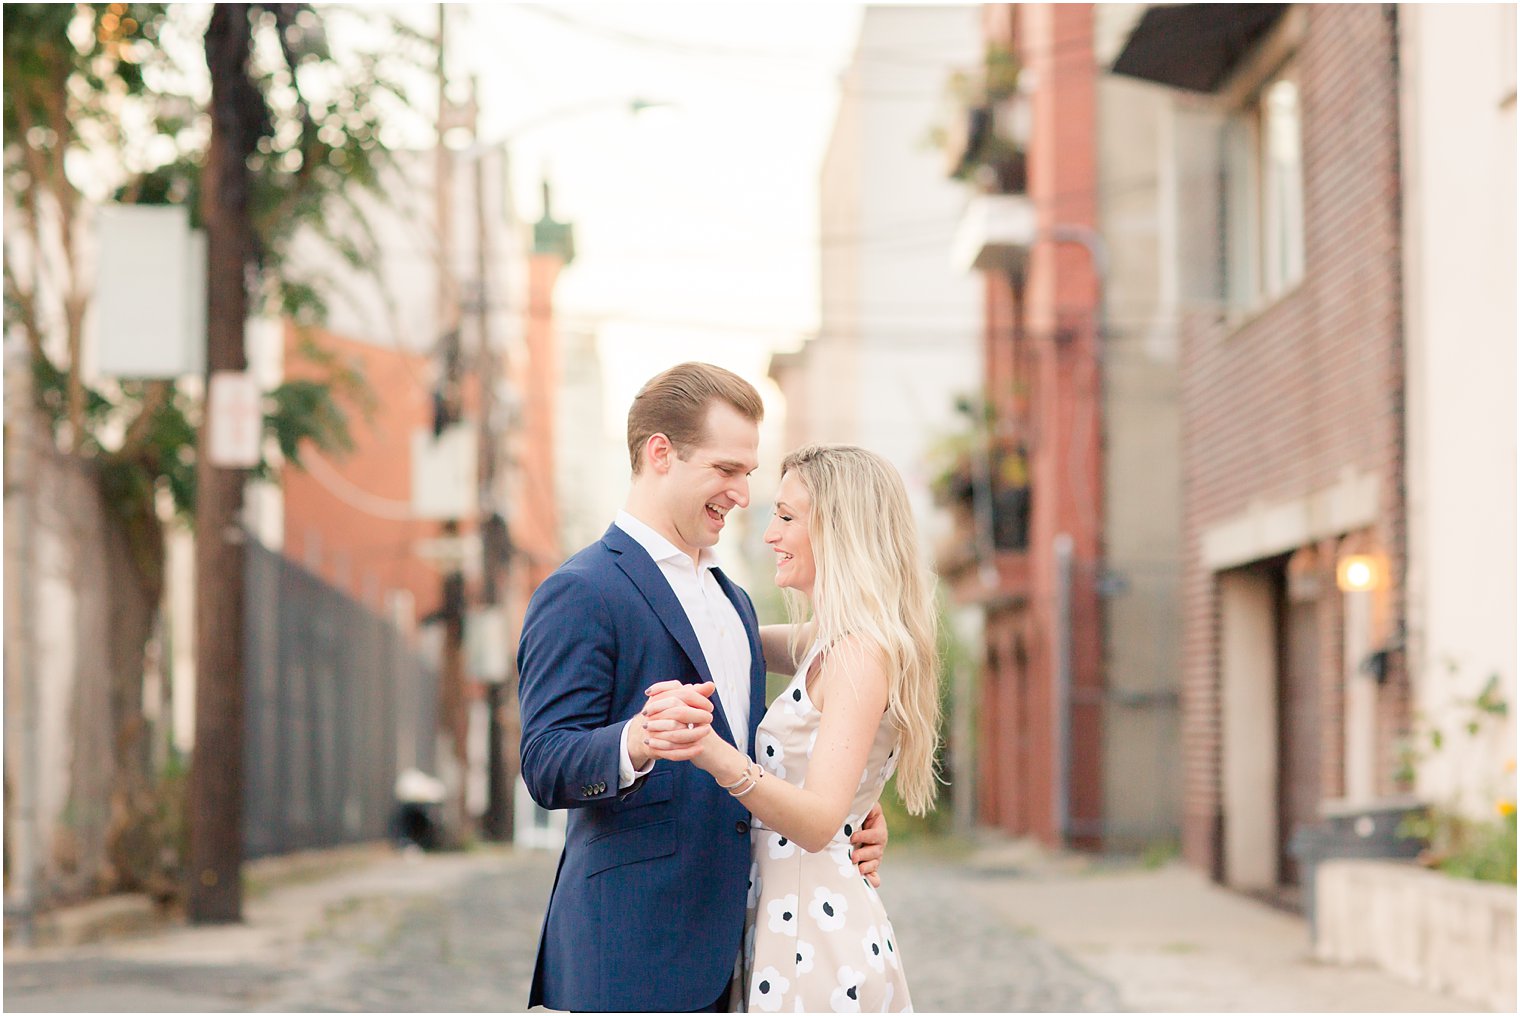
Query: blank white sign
x=444 y=473
x=150 y=293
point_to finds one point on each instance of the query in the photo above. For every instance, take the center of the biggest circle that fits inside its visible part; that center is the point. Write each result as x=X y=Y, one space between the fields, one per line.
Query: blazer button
x=741 y=826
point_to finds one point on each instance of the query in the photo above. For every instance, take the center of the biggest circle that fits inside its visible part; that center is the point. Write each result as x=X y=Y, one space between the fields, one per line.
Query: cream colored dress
x=817 y=938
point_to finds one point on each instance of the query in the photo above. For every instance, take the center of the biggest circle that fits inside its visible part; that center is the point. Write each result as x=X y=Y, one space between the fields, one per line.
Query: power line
x=714 y=50
x=1056 y=49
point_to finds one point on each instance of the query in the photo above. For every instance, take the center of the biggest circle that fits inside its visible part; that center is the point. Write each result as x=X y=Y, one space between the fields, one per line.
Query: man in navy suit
x=647 y=910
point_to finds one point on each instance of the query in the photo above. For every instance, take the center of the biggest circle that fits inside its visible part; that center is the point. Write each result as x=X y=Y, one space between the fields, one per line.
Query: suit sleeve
x=567 y=665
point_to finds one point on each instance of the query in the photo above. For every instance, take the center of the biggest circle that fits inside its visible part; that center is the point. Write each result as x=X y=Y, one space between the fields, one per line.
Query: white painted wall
x=900 y=328
x=591 y=465
x=1458 y=95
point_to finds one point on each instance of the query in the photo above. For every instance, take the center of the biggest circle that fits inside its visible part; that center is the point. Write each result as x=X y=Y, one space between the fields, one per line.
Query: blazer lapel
x=651 y=583
x=756 y=655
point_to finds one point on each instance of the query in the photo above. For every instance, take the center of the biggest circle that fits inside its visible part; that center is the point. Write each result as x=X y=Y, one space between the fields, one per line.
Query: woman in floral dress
x=863 y=703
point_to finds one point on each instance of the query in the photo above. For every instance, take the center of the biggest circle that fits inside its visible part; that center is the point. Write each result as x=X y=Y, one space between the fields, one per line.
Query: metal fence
x=337 y=705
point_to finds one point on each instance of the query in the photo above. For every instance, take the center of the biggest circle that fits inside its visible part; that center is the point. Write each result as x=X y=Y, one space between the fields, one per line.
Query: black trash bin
x=1370 y=832
x=418 y=818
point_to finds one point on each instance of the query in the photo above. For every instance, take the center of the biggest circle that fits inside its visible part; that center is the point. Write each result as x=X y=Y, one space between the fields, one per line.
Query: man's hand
x=868 y=845
x=675 y=719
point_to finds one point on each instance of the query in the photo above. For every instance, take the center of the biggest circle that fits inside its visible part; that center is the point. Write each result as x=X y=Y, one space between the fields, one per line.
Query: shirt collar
x=658 y=547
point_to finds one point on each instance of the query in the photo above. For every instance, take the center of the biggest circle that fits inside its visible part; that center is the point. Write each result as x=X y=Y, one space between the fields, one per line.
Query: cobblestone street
x=457 y=933
x=381 y=932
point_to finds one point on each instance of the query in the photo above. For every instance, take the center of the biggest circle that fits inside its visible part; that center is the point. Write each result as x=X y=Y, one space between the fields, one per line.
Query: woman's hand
x=869 y=844
x=677 y=719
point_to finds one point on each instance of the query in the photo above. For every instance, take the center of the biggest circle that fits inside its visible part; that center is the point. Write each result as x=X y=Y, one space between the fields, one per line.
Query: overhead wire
x=724 y=55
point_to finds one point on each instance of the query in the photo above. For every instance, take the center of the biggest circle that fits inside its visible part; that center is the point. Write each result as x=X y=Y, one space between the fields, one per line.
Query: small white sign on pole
x=444 y=473
x=485 y=639
x=235 y=409
x=452 y=553
x=150 y=293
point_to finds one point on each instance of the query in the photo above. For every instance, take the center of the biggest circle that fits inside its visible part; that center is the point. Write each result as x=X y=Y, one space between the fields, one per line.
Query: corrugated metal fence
x=337 y=705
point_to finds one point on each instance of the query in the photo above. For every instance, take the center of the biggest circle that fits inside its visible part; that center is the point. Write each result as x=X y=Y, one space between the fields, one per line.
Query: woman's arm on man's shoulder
x=776 y=644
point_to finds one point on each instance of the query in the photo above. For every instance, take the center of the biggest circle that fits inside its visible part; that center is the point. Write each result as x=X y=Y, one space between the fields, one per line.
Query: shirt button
x=741 y=826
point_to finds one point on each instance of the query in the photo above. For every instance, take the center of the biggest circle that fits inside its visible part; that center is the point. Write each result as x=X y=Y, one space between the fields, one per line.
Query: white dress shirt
x=720 y=631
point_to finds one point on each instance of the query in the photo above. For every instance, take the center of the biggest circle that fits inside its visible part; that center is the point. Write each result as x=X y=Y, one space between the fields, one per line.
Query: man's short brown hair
x=675 y=403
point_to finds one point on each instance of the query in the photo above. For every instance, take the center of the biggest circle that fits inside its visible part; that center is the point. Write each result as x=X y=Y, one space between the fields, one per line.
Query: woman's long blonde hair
x=870 y=583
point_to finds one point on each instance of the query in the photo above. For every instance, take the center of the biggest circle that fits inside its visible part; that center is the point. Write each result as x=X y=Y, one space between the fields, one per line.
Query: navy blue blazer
x=647 y=909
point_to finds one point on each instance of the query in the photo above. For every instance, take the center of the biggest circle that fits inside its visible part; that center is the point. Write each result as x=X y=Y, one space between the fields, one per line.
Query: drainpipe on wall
x=1062 y=689
x=1097 y=251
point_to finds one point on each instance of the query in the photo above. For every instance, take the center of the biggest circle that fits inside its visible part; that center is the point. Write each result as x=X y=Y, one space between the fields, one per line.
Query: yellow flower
x=1509 y=766
x=1506 y=808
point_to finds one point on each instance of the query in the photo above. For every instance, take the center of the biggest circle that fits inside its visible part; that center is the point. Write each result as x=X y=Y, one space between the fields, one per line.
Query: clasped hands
x=675 y=724
x=676 y=720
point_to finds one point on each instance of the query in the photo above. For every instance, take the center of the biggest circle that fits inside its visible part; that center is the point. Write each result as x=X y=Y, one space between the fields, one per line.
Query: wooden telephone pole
x=453 y=711
x=215 y=892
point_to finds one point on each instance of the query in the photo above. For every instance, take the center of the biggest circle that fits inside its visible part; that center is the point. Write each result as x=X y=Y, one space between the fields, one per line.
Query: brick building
x=348 y=517
x=1295 y=692
x=1060 y=756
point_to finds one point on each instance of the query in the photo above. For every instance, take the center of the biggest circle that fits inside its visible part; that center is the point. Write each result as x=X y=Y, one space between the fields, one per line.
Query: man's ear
x=658 y=452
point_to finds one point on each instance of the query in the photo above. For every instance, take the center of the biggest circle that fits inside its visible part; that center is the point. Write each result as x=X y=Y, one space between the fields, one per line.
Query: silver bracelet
x=752 y=772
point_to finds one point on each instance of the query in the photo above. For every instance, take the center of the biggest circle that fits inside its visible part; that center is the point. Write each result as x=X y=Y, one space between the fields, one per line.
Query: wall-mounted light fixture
x=1356 y=573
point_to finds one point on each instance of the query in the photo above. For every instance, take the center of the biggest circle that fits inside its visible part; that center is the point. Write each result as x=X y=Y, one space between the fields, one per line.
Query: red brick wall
x=1043 y=380
x=1277 y=407
x=366 y=555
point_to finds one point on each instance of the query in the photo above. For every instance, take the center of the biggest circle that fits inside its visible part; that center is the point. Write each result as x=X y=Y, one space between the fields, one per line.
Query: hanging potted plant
x=980 y=143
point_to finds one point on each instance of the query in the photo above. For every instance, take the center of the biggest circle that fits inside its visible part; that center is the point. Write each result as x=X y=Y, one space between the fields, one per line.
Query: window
x=1264 y=194
x=1282 y=191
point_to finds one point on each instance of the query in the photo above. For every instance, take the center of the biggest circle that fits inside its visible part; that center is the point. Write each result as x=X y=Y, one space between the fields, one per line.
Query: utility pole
x=453 y=716
x=215 y=892
x=495 y=540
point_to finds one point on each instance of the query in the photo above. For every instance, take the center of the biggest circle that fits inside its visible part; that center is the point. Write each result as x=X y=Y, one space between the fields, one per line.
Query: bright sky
x=696 y=224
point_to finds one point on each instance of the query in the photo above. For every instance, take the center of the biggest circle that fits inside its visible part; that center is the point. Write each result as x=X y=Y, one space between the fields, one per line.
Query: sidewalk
x=308 y=918
x=1170 y=940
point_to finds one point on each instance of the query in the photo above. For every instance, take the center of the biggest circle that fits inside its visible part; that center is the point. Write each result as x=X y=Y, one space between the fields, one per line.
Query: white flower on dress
x=842 y=853
x=827 y=908
x=804 y=956
x=768 y=989
x=812 y=740
x=754 y=885
x=891 y=946
x=886 y=999
x=779 y=846
x=770 y=753
x=874 y=950
x=846 y=997
x=783 y=915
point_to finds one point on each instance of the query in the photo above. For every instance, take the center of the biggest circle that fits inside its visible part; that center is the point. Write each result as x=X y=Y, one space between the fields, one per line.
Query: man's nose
x=741 y=492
